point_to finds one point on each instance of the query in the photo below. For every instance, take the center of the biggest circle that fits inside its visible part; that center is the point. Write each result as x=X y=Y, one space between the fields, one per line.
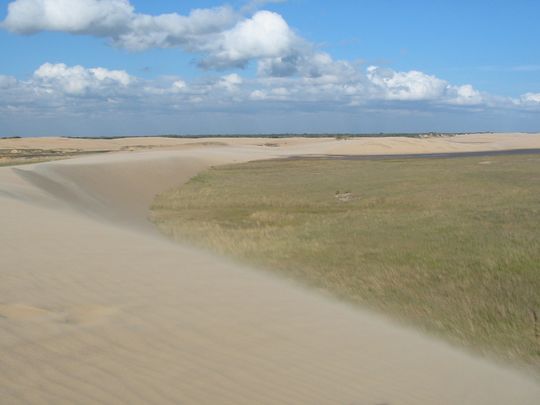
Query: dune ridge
x=95 y=306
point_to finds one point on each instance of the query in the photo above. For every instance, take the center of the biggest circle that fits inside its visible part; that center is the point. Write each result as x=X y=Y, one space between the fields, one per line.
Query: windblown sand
x=97 y=307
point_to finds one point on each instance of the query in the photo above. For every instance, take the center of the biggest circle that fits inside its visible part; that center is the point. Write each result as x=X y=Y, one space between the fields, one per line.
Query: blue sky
x=121 y=67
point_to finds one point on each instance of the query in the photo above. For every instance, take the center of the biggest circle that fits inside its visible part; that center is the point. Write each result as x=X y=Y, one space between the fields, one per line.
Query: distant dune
x=97 y=307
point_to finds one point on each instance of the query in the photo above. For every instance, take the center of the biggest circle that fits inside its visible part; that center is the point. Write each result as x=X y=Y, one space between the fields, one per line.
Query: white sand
x=96 y=307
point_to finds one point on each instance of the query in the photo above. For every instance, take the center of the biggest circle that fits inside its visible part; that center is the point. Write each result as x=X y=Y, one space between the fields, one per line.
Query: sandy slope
x=95 y=307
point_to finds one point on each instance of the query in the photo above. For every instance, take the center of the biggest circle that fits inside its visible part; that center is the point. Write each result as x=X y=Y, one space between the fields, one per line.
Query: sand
x=97 y=307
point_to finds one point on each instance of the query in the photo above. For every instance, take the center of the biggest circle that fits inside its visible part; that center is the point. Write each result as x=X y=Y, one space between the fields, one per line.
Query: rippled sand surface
x=96 y=307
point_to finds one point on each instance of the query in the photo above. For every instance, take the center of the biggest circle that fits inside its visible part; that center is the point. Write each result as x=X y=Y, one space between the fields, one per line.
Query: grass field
x=450 y=245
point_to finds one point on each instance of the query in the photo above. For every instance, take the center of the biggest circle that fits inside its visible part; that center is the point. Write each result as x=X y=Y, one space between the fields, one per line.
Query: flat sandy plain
x=97 y=307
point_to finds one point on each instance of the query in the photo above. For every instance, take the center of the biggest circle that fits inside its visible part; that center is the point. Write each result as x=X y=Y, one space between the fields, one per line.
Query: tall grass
x=451 y=245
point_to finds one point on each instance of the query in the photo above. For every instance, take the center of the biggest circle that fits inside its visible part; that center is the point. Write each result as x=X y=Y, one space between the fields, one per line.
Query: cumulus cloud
x=77 y=80
x=337 y=84
x=530 y=98
x=89 y=90
x=230 y=82
x=464 y=95
x=258 y=95
x=56 y=90
x=418 y=86
x=222 y=36
x=275 y=94
x=7 y=81
x=304 y=61
x=193 y=33
x=178 y=86
x=412 y=85
x=265 y=35
x=292 y=74
x=94 y=17
x=290 y=70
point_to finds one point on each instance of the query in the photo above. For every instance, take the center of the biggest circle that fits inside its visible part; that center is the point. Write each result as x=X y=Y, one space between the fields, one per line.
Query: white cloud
x=178 y=86
x=265 y=35
x=258 y=95
x=96 y=17
x=230 y=82
x=292 y=73
x=193 y=32
x=302 y=60
x=281 y=91
x=77 y=80
x=117 y=20
x=221 y=35
x=119 y=76
x=222 y=38
x=7 y=81
x=418 y=86
x=530 y=98
x=338 y=85
x=464 y=95
x=58 y=90
x=412 y=85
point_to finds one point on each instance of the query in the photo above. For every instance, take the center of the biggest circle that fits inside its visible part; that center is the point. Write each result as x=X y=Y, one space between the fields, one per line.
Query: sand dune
x=96 y=307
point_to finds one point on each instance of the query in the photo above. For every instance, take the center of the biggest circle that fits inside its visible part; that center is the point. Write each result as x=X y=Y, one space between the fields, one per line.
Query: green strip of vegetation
x=451 y=245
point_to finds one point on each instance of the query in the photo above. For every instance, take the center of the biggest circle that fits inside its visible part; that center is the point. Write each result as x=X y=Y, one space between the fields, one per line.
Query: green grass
x=450 y=245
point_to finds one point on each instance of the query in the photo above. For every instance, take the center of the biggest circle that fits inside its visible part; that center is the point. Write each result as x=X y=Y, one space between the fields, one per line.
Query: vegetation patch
x=451 y=245
x=12 y=157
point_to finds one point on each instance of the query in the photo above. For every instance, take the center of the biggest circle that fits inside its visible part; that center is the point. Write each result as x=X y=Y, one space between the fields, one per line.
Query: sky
x=134 y=67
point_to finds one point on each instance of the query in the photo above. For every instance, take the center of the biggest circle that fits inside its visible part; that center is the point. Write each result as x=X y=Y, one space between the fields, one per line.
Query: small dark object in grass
x=536 y=327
